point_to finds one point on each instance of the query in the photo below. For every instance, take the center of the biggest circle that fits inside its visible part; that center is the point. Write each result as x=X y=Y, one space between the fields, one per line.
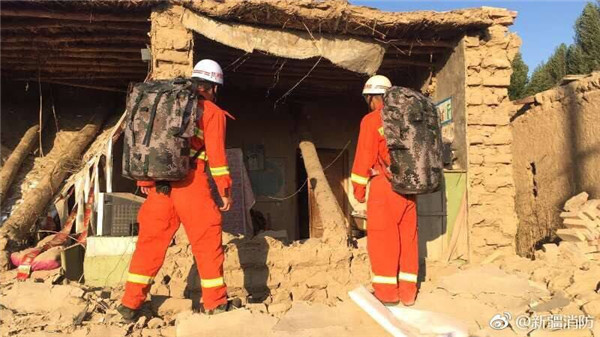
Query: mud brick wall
x=264 y=270
x=556 y=155
x=492 y=218
x=172 y=44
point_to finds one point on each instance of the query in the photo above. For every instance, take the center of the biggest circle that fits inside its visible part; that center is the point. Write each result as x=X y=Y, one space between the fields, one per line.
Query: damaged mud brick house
x=293 y=78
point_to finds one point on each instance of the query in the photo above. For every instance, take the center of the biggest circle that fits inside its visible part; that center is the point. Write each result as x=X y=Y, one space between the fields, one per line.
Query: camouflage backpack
x=411 y=127
x=159 y=123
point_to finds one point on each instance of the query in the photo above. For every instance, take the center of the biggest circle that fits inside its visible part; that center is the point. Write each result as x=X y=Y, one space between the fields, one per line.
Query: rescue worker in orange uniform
x=391 y=218
x=188 y=202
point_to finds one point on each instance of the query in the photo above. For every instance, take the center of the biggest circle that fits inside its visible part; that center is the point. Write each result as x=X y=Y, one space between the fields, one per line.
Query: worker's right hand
x=360 y=193
x=226 y=204
x=145 y=190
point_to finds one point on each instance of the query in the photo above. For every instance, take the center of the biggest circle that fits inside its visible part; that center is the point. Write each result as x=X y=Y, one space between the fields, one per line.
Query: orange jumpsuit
x=190 y=203
x=391 y=218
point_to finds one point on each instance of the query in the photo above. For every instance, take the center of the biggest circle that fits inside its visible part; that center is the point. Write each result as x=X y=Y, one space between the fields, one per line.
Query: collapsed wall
x=492 y=218
x=556 y=155
x=265 y=270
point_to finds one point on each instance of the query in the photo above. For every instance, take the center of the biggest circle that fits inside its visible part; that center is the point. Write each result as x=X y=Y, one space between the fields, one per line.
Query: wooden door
x=336 y=176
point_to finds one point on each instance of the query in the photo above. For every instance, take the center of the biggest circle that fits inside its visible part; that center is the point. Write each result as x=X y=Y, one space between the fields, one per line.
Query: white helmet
x=208 y=70
x=377 y=85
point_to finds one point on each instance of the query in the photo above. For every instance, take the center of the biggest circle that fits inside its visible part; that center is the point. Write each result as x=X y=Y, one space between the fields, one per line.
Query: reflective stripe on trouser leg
x=158 y=223
x=384 y=279
x=383 y=244
x=409 y=251
x=202 y=222
x=407 y=277
x=211 y=283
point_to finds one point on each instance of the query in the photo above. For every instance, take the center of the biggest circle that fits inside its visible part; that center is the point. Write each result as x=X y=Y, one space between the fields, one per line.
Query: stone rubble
x=552 y=284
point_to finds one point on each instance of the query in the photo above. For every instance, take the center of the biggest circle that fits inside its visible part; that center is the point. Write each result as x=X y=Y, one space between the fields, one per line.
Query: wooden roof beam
x=83 y=49
x=55 y=55
x=61 y=24
x=65 y=39
x=67 y=62
x=77 y=16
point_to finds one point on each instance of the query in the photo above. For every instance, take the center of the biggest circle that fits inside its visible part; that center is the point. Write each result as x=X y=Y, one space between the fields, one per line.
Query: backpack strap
x=187 y=112
x=146 y=141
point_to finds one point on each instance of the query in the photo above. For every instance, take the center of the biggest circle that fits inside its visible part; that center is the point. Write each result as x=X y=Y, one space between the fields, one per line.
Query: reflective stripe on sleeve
x=211 y=283
x=202 y=155
x=407 y=277
x=385 y=279
x=219 y=171
x=380 y=130
x=141 y=279
x=199 y=133
x=359 y=179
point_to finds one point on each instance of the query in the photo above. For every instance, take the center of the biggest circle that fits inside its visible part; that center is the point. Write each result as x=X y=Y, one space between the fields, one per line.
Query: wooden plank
x=75 y=62
x=88 y=16
x=142 y=38
x=86 y=86
x=62 y=24
x=526 y=100
x=48 y=55
x=82 y=49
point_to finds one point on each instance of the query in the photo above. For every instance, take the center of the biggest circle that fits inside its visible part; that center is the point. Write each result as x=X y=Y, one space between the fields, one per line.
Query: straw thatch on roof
x=100 y=40
x=339 y=17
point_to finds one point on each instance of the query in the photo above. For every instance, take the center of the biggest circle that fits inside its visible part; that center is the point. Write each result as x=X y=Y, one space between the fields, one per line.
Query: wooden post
x=330 y=213
x=22 y=220
x=13 y=164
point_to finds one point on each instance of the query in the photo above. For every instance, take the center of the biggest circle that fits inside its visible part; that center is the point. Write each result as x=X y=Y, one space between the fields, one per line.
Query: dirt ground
x=556 y=283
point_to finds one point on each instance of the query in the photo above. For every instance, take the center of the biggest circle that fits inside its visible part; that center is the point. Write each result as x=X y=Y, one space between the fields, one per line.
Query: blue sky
x=542 y=25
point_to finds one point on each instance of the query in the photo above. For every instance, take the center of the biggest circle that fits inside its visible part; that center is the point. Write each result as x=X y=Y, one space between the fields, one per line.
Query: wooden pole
x=84 y=49
x=22 y=220
x=47 y=55
x=331 y=215
x=13 y=164
x=78 y=39
x=78 y=16
x=65 y=69
x=62 y=24
x=86 y=86
x=91 y=63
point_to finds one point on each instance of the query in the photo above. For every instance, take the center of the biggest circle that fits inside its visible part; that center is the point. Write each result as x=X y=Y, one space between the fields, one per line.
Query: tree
x=518 y=79
x=540 y=80
x=556 y=66
x=576 y=61
x=587 y=36
x=550 y=73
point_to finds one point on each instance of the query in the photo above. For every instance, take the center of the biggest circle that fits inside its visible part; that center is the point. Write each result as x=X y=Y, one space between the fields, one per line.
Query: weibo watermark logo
x=500 y=321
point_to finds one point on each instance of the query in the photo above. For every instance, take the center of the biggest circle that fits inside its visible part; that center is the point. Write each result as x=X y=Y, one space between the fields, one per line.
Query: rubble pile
x=555 y=283
x=267 y=274
x=582 y=221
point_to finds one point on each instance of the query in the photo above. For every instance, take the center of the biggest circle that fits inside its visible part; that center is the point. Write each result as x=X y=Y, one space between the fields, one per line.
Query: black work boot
x=129 y=315
x=231 y=304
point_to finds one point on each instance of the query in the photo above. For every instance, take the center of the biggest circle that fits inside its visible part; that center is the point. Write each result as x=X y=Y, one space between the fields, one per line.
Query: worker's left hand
x=226 y=204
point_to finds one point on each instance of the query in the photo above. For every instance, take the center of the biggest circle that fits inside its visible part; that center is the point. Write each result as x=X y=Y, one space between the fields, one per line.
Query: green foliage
x=576 y=61
x=582 y=57
x=518 y=79
x=587 y=37
x=540 y=80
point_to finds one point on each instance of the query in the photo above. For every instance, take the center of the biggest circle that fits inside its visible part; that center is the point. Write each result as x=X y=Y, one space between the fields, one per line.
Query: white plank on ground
x=401 y=321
